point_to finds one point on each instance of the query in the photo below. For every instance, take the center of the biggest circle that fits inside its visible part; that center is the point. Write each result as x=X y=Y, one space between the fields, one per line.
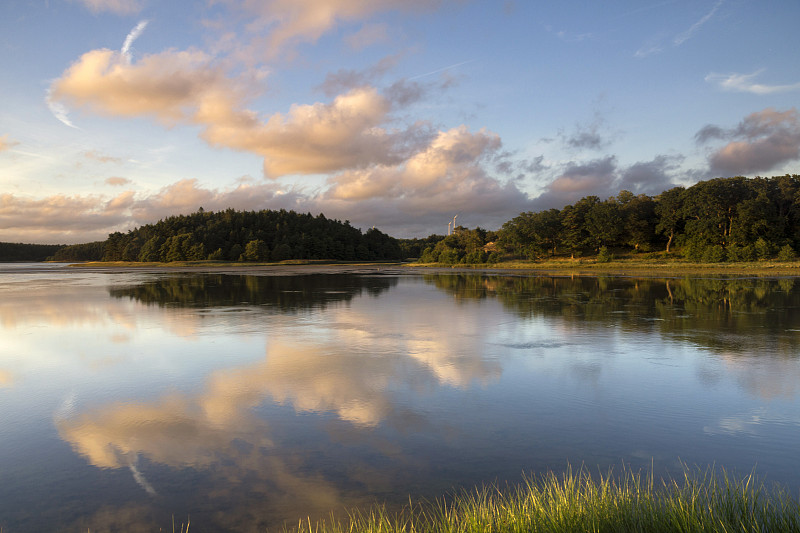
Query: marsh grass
x=699 y=501
x=590 y=266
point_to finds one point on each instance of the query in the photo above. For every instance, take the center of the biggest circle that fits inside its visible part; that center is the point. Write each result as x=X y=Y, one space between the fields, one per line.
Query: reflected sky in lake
x=253 y=401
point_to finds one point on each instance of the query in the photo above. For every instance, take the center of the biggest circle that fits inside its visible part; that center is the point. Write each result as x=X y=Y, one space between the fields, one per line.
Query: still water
x=250 y=401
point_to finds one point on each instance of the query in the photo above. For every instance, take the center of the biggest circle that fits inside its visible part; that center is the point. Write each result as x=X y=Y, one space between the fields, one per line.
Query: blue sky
x=397 y=114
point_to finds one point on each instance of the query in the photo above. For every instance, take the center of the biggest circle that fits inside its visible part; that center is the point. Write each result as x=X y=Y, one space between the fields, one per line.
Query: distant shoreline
x=583 y=267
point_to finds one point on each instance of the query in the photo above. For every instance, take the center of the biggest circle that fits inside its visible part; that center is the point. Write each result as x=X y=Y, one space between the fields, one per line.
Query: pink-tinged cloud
x=450 y=162
x=61 y=218
x=465 y=188
x=118 y=7
x=579 y=180
x=101 y=158
x=72 y=219
x=7 y=143
x=603 y=178
x=443 y=178
x=187 y=196
x=310 y=139
x=117 y=181
x=188 y=87
x=761 y=142
x=276 y=24
x=169 y=86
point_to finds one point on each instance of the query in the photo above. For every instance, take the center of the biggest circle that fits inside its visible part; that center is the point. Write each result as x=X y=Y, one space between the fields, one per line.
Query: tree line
x=723 y=219
x=232 y=235
x=17 y=251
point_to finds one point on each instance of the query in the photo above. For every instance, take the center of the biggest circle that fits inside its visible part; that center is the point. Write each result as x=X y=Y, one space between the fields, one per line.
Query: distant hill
x=12 y=251
x=232 y=235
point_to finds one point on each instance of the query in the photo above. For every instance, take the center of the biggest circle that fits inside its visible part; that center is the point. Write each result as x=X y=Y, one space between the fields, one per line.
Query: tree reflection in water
x=717 y=313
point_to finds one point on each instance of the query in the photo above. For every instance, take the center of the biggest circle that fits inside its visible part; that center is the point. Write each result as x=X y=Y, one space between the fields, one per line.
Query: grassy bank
x=635 y=265
x=579 y=502
x=584 y=266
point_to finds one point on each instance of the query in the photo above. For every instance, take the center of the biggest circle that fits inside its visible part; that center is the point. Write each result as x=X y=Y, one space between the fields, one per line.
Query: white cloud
x=58 y=110
x=132 y=36
x=744 y=83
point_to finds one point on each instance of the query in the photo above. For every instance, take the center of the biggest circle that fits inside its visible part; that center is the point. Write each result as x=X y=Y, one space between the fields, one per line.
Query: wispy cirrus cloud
x=118 y=7
x=59 y=110
x=745 y=83
x=656 y=44
x=686 y=35
x=132 y=36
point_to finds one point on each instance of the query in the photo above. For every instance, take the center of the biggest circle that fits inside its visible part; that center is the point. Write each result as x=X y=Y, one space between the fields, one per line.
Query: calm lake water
x=245 y=402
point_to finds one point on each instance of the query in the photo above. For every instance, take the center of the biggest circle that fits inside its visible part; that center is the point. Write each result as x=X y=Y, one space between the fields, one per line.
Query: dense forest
x=14 y=251
x=724 y=219
x=90 y=251
x=232 y=235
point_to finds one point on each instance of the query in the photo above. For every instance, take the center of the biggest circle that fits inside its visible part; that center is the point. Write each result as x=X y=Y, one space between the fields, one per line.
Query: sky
x=394 y=114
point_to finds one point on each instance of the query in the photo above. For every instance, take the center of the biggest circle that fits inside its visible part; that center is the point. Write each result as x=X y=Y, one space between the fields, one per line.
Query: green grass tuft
x=700 y=501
